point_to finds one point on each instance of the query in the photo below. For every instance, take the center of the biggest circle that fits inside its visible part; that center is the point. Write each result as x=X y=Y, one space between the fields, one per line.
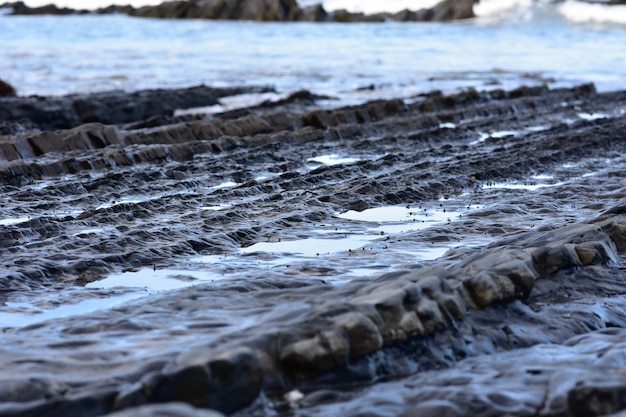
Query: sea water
x=509 y=44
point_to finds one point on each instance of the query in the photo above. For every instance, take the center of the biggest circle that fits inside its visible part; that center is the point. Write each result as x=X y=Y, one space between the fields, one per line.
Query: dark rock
x=226 y=381
x=406 y=15
x=485 y=330
x=453 y=10
x=266 y=10
x=116 y=9
x=545 y=380
x=446 y=10
x=6 y=89
x=344 y=16
x=19 y=8
x=114 y=107
x=315 y=13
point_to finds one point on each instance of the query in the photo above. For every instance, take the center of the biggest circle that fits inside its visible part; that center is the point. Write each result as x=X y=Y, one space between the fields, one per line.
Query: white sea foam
x=372 y=6
x=498 y=7
x=578 y=11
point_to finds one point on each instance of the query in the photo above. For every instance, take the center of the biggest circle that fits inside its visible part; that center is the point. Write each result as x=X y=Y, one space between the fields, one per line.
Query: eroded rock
x=114 y=107
x=100 y=199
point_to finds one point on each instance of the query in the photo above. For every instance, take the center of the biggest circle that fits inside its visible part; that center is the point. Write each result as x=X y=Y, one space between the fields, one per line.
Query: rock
x=262 y=10
x=226 y=381
x=113 y=107
x=116 y=9
x=438 y=331
x=265 y=10
x=6 y=89
x=545 y=380
x=446 y=10
x=363 y=335
x=453 y=10
x=613 y=222
x=19 y=8
x=315 y=356
x=344 y=16
x=315 y=13
x=406 y=15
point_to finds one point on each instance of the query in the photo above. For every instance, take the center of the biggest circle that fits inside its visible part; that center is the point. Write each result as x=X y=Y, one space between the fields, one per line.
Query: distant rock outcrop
x=112 y=107
x=261 y=11
x=288 y=10
x=19 y=8
x=453 y=10
x=6 y=89
x=265 y=10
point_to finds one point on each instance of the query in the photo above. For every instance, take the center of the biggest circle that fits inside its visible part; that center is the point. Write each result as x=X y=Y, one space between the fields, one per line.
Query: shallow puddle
x=86 y=232
x=19 y=314
x=226 y=184
x=537 y=128
x=311 y=246
x=330 y=160
x=15 y=220
x=535 y=182
x=529 y=186
x=592 y=116
x=215 y=208
x=381 y=223
x=156 y=279
x=503 y=133
x=120 y=202
x=400 y=214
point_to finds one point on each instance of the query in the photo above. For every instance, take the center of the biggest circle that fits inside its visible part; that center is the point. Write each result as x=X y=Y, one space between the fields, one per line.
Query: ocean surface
x=509 y=44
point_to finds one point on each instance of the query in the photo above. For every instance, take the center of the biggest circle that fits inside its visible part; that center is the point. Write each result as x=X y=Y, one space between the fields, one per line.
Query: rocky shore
x=114 y=107
x=524 y=316
x=267 y=10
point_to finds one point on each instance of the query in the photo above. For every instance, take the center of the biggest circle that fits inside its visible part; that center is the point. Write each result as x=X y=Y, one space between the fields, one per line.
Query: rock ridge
x=399 y=309
x=533 y=261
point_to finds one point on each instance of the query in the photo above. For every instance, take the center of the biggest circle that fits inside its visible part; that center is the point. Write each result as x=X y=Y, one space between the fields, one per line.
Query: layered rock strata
x=536 y=307
x=111 y=107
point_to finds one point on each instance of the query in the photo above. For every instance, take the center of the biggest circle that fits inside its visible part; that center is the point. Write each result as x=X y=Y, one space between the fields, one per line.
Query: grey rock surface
x=522 y=316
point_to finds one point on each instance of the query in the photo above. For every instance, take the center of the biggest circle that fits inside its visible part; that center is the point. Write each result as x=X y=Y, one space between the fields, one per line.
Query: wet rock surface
x=116 y=107
x=284 y=298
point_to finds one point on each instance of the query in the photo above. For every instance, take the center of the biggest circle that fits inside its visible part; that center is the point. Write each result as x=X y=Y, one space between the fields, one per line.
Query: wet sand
x=400 y=257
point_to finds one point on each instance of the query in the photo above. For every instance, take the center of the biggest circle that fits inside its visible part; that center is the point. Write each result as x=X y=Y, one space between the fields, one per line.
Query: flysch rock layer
x=114 y=107
x=463 y=334
x=319 y=336
x=316 y=336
